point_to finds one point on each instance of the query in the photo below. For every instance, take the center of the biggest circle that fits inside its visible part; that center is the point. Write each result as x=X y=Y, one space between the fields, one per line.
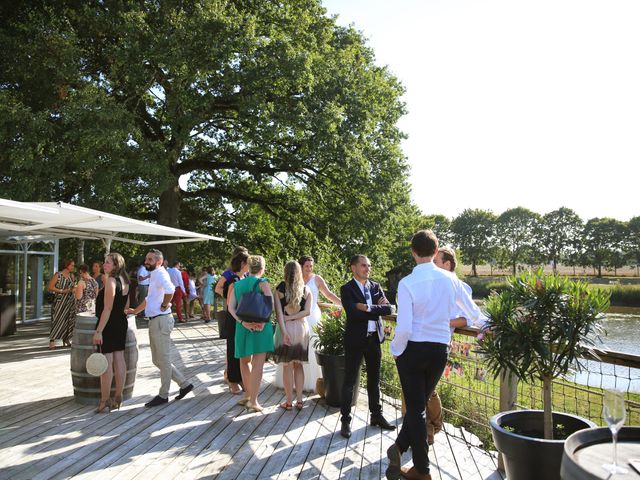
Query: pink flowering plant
x=330 y=331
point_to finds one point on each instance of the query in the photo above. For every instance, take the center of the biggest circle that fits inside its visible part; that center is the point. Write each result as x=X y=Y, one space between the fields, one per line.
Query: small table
x=587 y=450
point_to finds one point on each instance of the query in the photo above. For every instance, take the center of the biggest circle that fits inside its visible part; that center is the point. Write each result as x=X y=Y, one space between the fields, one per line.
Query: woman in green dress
x=253 y=340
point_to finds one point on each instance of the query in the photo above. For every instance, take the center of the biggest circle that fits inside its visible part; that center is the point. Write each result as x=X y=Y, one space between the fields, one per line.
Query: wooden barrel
x=86 y=387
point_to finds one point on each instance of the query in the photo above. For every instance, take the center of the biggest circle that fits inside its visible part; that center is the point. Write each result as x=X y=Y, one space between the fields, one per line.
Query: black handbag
x=49 y=297
x=254 y=306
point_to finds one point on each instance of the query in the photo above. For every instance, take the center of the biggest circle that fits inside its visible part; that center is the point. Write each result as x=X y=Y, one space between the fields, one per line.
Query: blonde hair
x=119 y=267
x=256 y=263
x=293 y=284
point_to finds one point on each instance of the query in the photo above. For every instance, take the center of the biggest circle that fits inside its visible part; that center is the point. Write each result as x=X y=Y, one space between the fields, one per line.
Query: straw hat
x=97 y=364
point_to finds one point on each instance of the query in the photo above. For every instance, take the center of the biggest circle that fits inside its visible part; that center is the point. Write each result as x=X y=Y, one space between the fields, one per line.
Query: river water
x=622 y=325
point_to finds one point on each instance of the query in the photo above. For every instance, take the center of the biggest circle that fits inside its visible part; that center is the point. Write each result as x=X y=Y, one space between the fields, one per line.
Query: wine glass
x=614 y=413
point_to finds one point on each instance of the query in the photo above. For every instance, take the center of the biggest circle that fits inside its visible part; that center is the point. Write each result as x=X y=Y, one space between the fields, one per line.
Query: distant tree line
x=521 y=236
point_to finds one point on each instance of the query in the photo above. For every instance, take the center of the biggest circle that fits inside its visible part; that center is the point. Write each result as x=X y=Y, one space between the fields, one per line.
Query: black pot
x=529 y=458
x=333 y=368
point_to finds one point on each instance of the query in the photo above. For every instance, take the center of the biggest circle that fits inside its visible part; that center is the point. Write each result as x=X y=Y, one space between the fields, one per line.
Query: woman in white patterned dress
x=317 y=285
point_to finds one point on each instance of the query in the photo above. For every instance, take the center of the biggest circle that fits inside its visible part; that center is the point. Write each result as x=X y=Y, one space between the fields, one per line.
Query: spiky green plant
x=539 y=327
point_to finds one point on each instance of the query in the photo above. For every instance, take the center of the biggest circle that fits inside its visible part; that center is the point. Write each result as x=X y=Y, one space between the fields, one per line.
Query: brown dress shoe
x=413 y=474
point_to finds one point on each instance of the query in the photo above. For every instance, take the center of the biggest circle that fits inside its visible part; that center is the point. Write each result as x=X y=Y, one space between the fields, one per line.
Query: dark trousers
x=353 y=359
x=420 y=367
x=233 y=363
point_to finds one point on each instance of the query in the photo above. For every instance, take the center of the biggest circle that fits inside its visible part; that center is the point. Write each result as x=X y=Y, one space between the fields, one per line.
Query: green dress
x=248 y=342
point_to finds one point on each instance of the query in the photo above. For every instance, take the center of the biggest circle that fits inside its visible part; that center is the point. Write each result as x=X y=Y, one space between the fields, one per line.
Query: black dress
x=114 y=335
x=233 y=363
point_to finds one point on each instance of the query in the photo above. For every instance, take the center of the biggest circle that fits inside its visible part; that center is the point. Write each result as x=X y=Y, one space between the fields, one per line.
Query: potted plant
x=539 y=327
x=329 y=347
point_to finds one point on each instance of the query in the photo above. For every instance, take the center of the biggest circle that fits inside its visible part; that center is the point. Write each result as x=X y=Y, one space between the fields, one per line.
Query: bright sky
x=511 y=103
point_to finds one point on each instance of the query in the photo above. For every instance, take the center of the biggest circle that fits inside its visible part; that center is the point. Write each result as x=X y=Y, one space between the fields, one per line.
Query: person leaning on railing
x=427 y=299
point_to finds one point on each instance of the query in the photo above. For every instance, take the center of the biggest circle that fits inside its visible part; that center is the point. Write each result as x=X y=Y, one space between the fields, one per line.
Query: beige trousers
x=160 y=339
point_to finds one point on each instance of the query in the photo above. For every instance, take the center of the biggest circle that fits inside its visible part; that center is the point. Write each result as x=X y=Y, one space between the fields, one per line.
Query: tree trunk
x=548 y=408
x=599 y=271
x=168 y=214
x=80 y=252
x=474 y=272
x=555 y=266
x=514 y=268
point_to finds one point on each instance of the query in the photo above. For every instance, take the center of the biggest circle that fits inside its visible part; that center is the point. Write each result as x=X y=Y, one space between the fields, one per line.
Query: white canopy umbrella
x=35 y=220
x=24 y=223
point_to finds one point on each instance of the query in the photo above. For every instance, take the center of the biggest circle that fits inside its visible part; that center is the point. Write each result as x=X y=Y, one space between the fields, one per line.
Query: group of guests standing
x=71 y=295
x=290 y=344
x=431 y=301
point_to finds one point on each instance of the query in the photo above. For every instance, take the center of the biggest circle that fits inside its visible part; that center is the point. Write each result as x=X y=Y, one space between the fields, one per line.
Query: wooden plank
x=314 y=463
x=300 y=452
x=227 y=445
x=281 y=442
x=353 y=457
x=335 y=452
x=173 y=459
x=255 y=453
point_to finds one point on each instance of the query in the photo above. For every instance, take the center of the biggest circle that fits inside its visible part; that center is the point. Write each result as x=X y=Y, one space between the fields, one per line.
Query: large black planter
x=529 y=458
x=333 y=373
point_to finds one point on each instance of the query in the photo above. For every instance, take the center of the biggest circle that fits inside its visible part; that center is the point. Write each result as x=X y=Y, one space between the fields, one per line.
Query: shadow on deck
x=44 y=433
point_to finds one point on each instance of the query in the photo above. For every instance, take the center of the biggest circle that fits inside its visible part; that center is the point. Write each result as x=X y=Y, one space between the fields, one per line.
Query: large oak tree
x=189 y=111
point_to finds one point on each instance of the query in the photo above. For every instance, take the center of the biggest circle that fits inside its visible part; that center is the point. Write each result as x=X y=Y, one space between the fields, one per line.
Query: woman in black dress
x=111 y=329
x=238 y=268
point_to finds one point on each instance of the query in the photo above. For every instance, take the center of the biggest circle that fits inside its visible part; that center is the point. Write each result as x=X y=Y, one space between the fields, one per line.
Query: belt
x=160 y=315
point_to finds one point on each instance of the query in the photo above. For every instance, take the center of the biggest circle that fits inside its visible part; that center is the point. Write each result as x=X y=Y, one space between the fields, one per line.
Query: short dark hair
x=356 y=258
x=237 y=261
x=83 y=268
x=304 y=259
x=424 y=243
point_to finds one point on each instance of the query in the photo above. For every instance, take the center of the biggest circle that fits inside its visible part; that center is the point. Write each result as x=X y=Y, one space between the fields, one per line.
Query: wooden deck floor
x=45 y=434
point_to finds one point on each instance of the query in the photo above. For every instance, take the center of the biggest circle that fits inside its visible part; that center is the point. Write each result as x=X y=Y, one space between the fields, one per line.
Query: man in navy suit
x=363 y=301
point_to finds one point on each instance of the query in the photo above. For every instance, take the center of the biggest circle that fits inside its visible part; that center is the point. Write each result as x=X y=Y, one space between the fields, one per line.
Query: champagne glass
x=614 y=413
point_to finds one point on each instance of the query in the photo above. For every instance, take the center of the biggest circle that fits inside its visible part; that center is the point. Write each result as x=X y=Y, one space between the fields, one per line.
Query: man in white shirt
x=180 y=291
x=157 y=308
x=428 y=299
x=143 y=283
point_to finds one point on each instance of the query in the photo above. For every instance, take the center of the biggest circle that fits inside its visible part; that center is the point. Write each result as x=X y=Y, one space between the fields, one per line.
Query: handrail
x=606 y=356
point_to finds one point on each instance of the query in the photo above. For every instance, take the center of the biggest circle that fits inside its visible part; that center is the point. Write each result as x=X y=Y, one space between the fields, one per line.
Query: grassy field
x=627 y=295
x=484 y=270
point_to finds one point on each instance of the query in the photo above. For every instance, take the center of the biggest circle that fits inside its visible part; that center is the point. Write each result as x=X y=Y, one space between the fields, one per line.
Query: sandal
x=244 y=401
x=52 y=345
x=286 y=405
x=254 y=408
x=102 y=405
x=299 y=405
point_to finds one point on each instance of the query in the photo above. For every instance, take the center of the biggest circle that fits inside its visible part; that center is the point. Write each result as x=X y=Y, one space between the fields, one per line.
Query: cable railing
x=470 y=395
